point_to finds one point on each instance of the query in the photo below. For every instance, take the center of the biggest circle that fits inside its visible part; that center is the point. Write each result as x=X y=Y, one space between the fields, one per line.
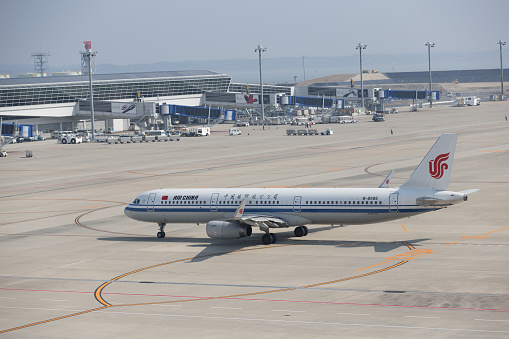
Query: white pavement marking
x=354 y=313
x=306 y=322
x=288 y=311
x=265 y=320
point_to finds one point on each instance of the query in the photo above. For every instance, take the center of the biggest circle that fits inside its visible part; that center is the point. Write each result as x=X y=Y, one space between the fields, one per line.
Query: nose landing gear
x=161 y=233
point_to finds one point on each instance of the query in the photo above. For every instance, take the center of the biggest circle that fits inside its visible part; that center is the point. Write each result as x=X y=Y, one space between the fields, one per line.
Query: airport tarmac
x=73 y=265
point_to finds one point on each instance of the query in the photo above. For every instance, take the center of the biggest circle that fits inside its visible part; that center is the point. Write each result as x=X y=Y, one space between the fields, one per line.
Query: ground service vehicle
x=70 y=139
x=235 y=131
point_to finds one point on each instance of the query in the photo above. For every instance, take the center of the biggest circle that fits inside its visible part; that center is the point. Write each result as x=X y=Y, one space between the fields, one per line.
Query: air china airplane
x=231 y=213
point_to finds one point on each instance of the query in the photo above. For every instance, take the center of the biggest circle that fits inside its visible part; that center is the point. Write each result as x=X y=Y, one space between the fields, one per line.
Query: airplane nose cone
x=127 y=212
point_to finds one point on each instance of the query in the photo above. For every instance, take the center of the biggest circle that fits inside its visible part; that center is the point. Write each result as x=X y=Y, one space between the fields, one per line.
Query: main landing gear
x=269 y=238
x=161 y=233
x=300 y=231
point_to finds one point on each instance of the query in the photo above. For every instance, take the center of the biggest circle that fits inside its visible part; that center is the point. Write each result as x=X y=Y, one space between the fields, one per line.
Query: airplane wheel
x=161 y=235
x=267 y=239
x=306 y=231
x=273 y=238
x=298 y=231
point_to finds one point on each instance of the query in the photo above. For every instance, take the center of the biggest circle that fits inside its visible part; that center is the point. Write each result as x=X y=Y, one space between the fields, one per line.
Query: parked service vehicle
x=175 y=136
x=200 y=132
x=101 y=138
x=125 y=139
x=137 y=138
x=378 y=117
x=113 y=140
x=70 y=139
x=346 y=120
x=158 y=135
x=235 y=131
x=3 y=153
x=57 y=134
x=472 y=101
x=467 y=101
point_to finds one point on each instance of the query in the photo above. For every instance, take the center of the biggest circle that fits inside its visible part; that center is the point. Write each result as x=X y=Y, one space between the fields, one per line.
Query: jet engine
x=218 y=229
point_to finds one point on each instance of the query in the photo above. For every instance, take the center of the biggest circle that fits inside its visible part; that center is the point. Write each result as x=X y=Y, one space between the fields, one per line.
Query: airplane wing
x=264 y=222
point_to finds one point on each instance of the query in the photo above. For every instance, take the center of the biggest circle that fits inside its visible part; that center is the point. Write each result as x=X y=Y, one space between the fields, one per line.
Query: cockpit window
x=136 y=201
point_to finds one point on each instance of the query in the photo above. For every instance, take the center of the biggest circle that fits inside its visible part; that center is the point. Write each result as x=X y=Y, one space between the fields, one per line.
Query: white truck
x=200 y=132
x=467 y=101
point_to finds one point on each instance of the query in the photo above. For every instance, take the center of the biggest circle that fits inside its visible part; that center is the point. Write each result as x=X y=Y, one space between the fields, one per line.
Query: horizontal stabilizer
x=469 y=191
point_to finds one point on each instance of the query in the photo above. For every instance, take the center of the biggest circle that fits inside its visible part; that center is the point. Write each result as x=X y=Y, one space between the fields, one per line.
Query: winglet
x=385 y=184
x=240 y=210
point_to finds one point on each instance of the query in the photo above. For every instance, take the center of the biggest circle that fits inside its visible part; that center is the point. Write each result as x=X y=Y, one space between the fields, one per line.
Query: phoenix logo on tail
x=438 y=166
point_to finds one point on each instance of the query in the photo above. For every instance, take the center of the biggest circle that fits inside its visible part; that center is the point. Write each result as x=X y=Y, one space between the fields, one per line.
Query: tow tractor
x=70 y=139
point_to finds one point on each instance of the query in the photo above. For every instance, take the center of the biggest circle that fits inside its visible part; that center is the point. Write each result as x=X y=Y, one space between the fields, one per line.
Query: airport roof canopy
x=107 y=77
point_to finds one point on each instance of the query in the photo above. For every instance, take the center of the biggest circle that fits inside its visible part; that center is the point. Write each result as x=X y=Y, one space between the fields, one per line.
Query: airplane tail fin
x=435 y=169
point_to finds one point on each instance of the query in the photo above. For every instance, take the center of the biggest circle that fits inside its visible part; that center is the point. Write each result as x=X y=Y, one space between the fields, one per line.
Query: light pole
x=261 y=49
x=360 y=47
x=501 y=43
x=304 y=67
x=89 y=54
x=430 y=44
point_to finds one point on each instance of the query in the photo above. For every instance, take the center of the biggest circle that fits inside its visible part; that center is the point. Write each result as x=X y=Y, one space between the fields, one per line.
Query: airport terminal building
x=62 y=102
x=53 y=102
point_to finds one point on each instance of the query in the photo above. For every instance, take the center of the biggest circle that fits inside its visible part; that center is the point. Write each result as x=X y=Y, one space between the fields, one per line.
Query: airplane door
x=297 y=204
x=151 y=201
x=393 y=202
x=213 y=201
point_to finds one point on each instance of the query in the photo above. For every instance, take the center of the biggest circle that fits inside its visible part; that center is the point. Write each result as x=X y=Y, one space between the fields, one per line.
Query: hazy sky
x=148 y=31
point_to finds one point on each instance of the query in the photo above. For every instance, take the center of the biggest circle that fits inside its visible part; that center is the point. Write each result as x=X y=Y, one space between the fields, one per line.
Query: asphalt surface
x=73 y=265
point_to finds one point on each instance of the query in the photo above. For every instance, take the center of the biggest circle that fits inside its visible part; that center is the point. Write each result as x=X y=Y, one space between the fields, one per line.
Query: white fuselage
x=297 y=206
